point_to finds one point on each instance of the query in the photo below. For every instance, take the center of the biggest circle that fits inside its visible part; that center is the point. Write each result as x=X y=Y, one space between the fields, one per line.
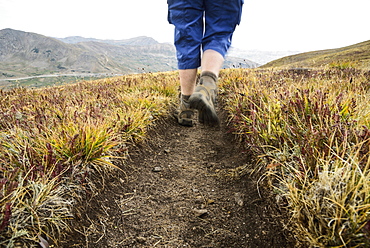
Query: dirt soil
x=176 y=192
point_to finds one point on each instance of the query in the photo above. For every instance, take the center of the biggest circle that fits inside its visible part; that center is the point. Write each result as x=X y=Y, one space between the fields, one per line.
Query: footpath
x=181 y=189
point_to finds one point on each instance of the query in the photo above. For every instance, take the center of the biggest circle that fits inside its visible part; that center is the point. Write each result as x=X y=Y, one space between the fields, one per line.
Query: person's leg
x=204 y=96
x=212 y=61
x=187 y=16
x=187 y=81
x=220 y=23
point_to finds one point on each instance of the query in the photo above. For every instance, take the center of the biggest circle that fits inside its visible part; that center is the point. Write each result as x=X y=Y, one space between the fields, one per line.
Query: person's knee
x=220 y=44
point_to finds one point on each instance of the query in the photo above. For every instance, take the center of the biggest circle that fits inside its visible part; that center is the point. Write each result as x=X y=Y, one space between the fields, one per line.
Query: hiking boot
x=204 y=98
x=184 y=114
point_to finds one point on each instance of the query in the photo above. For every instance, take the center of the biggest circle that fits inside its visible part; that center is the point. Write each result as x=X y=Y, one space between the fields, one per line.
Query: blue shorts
x=202 y=25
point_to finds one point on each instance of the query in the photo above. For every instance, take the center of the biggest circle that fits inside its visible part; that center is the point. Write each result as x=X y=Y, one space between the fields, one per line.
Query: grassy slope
x=52 y=138
x=357 y=55
x=310 y=131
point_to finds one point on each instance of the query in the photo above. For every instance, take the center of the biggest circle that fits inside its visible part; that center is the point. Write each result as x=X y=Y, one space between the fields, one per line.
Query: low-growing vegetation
x=311 y=132
x=308 y=129
x=52 y=139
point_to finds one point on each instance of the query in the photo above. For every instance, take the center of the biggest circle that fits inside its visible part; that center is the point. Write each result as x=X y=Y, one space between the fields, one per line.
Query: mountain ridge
x=24 y=54
x=137 y=41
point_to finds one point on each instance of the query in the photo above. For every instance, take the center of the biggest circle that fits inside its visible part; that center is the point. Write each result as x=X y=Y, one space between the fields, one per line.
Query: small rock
x=18 y=115
x=200 y=212
x=239 y=199
x=141 y=240
x=209 y=165
x=167 y=150
x=199 y=200
x=157 y=169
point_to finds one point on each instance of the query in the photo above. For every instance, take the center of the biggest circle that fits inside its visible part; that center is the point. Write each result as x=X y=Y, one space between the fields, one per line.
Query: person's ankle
x=208 y=79
x=209 y=74
x=185 y=97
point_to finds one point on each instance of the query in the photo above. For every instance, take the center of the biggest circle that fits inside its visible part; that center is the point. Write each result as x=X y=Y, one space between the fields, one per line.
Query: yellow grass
x=311 y=129
x=308 y=129
x=51 y=139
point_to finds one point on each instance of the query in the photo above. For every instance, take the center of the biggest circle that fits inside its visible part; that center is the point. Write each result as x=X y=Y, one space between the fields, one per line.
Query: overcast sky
x=266 y=24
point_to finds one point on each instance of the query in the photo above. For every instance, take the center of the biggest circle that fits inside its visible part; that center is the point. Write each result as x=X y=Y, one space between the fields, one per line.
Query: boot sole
x=206 y=111
x=184 y=121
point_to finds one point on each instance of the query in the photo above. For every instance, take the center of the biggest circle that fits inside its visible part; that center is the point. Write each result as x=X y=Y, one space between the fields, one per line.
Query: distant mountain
x=138 y=41
x=357 y=55
x=232 y=60
x=29 y=54
x=25 y=54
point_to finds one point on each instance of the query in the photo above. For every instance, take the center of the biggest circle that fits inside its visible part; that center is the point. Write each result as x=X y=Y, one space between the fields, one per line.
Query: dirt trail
x=172 y=196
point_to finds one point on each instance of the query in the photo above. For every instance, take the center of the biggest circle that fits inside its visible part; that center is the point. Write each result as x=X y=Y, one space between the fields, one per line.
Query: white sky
x=266 y=24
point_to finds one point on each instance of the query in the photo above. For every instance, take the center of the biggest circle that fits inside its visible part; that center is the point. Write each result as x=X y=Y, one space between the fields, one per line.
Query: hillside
x=24 y=54
x=104 y=164
x=357 y=55
x=29 y=54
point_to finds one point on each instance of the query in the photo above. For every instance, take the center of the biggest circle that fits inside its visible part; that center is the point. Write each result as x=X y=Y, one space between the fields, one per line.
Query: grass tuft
x=311 y=131
x=52 y=139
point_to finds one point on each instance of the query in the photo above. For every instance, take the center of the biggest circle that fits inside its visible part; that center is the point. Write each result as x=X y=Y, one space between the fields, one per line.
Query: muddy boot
x=184 y=114
x=204 y=98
